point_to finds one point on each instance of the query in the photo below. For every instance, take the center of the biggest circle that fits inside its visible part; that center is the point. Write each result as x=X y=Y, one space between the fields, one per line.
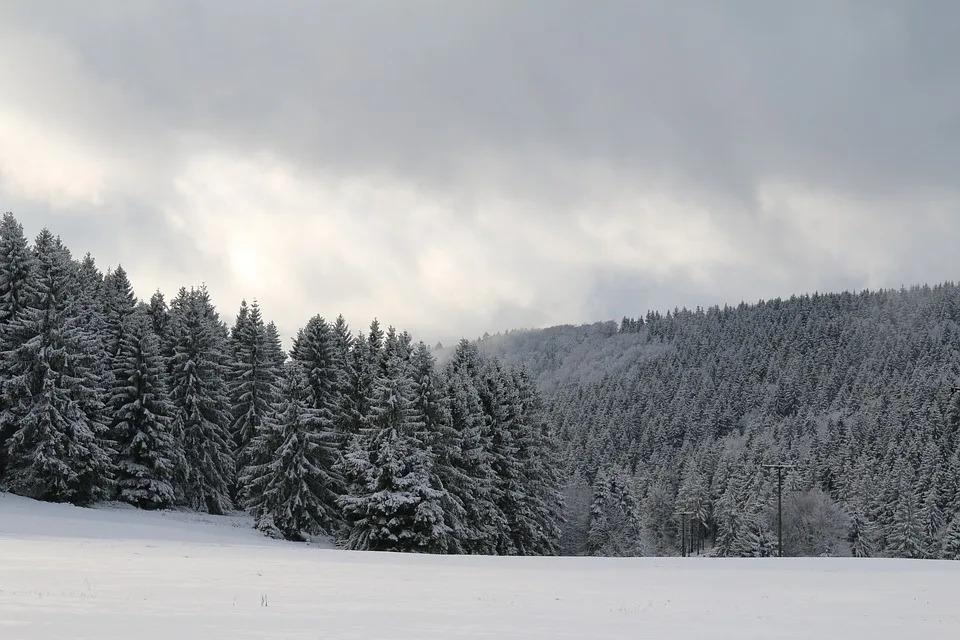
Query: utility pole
x=779 y=467
x=683 y=530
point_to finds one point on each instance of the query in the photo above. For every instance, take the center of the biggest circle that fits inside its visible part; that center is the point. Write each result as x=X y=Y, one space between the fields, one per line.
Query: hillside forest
x=576 y=440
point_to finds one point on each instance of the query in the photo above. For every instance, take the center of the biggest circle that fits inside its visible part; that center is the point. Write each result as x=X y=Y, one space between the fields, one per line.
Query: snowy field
x=109 y=573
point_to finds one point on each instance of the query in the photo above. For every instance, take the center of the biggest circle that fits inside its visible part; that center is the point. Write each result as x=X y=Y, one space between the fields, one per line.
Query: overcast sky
x=455 y=167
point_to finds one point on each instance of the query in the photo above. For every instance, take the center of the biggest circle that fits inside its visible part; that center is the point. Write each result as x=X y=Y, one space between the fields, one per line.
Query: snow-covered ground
x=119 y=573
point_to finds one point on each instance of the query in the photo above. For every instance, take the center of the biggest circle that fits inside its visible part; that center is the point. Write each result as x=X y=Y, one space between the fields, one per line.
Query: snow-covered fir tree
x=399 y=501
x=253 y=378
x=148 y=455
x=536 y=522
x=315 y=350
x=53 y=405
x=291 y=487
x=470 y=448
x=16 y=263
x=159 y=314
x=119 y=303
x=197 y=366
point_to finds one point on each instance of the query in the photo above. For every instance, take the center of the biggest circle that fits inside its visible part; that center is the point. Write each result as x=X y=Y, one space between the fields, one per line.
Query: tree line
x=680 y=411
x=362 y=436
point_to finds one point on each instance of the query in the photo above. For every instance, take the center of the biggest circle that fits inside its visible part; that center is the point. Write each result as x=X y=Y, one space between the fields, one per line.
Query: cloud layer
x=460 y=167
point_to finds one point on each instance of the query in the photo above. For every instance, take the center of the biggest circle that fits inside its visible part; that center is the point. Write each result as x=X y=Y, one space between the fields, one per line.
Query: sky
x=459 y=167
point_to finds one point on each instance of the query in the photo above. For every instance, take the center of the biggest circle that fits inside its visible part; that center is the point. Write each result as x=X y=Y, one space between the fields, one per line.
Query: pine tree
x=52 y=400
x=148 y=456
x=291 y=489
x=315 y=348
x=362 y=376
x=905 y=539
x=197 y=344
x=399 y=506
x=471 y=455
x=159 y=315
x=862 y=535
x=274 y=346
x=501 y=432
x=951 y=540
x=614 y=522
x=253 y=379
x=345 y=413
x=16 y=265
x=536 y=524
x=119 y=302
x=442 y=440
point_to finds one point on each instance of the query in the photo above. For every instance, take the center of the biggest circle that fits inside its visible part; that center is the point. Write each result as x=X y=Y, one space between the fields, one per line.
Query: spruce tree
x=905 y=538
x=362 y=376
x=399 y=505
x=315 y=348
x=253 y=379
x=16 y=264
x=862 y=535
x=499 y=405
x=439 y=436
x=53 y=406
x=471 y=454
x=147 y=454
x=197 y=345
x=345 y=412
x=536 y=524
x=291 y=489
x=951 y=540
x=119 y=303
x=275 y=346
x=159 y=315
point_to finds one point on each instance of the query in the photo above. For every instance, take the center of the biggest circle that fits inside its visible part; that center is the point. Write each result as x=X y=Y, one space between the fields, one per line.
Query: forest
x=359 y=437
x=680 y=412
x=574 y=440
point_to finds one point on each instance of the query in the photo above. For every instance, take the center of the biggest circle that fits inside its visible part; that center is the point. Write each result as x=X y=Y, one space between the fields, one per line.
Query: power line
x=779 y=467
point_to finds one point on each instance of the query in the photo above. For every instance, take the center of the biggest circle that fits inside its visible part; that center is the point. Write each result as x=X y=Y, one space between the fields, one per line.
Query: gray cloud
x=816 y=143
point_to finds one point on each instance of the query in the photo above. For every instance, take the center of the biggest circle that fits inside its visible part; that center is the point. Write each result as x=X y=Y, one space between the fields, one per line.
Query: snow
x=116 y=572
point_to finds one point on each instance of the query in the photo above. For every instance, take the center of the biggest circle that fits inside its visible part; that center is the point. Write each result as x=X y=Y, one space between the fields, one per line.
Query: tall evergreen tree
x=159 y=315
x=400 y=503
x=314 y=349
x=148 y=455
x=16 y=264
x=52 y=401
x=119 y=303
x=536 y=523
x=291 y=488
x=442 y=440
x=275 y=345
x=345 y=413
x=253 y=380
x=475 y=485
x=197 y=344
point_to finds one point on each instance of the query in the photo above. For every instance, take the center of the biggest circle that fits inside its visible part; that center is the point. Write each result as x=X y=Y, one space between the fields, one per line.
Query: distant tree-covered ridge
x=679 y=412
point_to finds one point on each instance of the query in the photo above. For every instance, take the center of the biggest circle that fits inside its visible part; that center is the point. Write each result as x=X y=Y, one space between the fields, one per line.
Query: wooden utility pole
x=779 y=467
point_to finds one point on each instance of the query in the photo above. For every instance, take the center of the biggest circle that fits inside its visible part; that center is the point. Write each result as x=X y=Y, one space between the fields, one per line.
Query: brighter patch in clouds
x=375 y=246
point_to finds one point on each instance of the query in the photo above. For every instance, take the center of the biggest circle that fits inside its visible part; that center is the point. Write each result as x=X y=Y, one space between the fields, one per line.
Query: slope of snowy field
x=109 y=573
